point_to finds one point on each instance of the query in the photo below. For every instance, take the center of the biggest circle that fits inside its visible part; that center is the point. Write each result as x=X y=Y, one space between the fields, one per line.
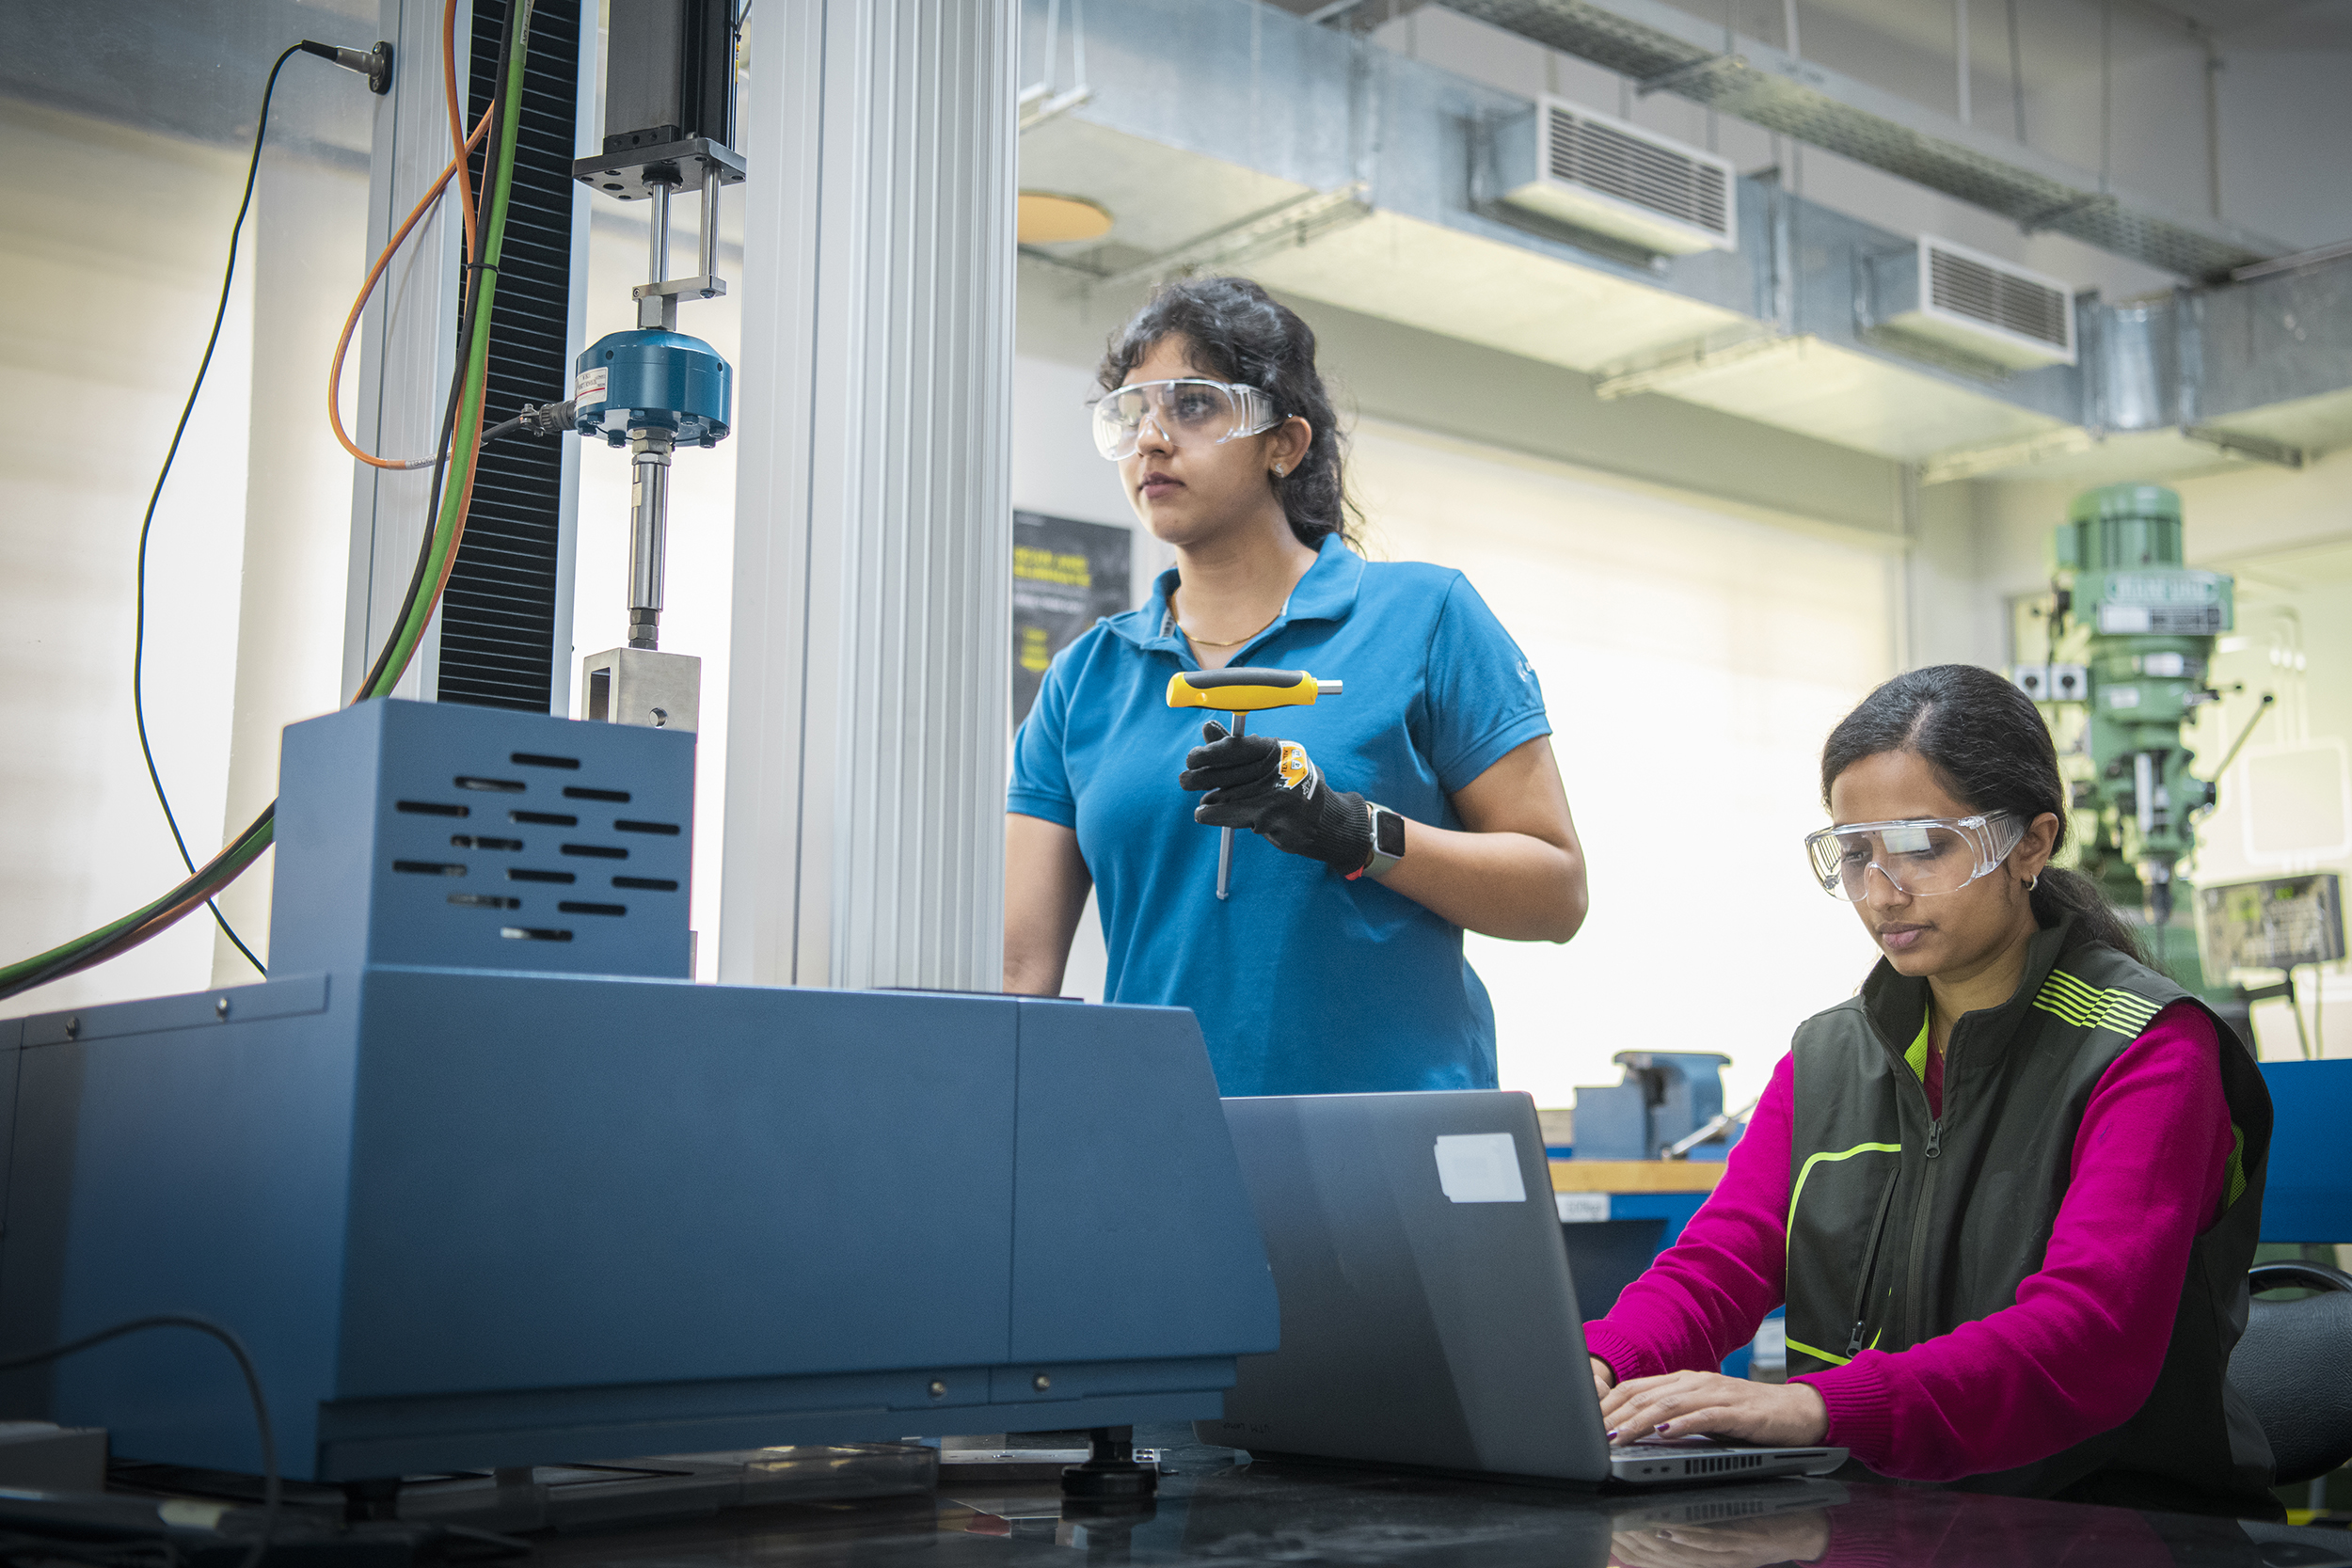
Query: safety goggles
x=1184 y=410
x=1923 y=856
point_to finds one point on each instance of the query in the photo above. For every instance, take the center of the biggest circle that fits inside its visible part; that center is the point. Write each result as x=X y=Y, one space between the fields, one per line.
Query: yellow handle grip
x=1247 y=690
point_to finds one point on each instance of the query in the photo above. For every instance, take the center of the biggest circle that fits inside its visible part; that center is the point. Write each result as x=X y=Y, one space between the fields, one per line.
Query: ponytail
x=2059 y=894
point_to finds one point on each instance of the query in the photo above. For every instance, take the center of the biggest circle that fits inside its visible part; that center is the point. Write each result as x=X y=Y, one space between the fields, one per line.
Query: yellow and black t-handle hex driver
x=1241 y=692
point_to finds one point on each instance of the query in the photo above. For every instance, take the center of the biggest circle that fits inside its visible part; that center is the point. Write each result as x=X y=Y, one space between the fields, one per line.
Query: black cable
x=137 y=931
x=270 y=1485
x=138 y=642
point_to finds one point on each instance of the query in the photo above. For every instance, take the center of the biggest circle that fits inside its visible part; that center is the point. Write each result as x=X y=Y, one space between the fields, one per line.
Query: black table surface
x=1220 y=1506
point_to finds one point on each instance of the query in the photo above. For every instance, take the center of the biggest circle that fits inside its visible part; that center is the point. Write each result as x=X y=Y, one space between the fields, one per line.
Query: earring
x=2033 y=882
x=1277 y=471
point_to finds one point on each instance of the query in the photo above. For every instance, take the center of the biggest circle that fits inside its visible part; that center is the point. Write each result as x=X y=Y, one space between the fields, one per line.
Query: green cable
x=84 y=950
x=95 y=946
x=469 y=438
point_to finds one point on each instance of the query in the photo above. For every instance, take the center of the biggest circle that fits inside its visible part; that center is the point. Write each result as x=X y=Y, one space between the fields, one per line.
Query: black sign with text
x=1065 y=575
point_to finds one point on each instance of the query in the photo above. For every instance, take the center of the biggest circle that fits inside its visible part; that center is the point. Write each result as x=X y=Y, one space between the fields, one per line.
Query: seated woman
x=2008 y=1190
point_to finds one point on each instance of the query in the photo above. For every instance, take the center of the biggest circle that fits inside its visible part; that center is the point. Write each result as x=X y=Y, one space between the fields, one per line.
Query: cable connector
x=374 y=64
x=552 y=420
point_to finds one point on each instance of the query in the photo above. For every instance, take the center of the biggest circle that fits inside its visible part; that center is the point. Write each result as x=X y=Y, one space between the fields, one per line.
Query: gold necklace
x=1204 y=643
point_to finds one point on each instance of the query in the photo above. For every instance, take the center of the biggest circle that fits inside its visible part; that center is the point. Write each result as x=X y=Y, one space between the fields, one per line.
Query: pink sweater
x=2076 y=1356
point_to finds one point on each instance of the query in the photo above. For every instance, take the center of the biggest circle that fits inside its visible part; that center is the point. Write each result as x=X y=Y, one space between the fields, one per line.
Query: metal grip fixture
x=648 y=530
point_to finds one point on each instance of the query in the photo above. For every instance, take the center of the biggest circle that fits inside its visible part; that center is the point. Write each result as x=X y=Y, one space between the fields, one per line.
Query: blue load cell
x=653 y=380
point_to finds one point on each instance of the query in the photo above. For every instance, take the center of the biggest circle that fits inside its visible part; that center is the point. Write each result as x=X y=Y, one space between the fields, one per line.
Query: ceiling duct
x=1665 y=48
x=1594 y=173
x=1974 y=303
x=1343 y=172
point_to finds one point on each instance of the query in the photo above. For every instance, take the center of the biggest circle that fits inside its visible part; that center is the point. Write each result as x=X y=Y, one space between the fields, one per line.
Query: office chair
x=2294 y=1366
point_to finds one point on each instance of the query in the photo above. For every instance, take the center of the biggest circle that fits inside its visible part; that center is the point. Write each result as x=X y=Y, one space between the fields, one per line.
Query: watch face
x=1388 y=834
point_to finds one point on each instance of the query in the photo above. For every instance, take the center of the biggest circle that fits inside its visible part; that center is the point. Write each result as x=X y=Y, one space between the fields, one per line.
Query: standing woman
x=2009 y=1192
x=1426 y=800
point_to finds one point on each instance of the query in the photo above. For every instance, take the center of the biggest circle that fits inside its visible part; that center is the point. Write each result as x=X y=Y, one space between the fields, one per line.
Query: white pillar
x=406 y=344
x=867 y=711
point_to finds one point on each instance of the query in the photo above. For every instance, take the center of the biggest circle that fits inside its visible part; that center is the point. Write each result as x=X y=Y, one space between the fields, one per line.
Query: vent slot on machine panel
x=532 y=888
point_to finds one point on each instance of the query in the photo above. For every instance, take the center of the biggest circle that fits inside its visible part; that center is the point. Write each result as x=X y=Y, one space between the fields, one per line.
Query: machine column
x=868 y=700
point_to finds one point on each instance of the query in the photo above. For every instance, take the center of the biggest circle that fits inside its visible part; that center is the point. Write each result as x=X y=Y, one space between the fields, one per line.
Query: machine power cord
x=436 y=557
x=272 y=1488
x=147 y=523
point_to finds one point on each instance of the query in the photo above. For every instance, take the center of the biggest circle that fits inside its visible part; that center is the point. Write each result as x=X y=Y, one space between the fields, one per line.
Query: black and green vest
x=1903 y=1227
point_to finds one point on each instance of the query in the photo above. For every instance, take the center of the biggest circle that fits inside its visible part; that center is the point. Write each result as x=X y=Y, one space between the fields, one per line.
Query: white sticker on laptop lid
x=1480 y=1168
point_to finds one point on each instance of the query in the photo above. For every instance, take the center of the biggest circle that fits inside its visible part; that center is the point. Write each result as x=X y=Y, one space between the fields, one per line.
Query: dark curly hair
x=1989 y=746
x=1238 y=332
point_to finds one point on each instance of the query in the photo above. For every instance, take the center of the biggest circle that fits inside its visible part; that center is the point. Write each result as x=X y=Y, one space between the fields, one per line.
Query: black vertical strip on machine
x=498 y=638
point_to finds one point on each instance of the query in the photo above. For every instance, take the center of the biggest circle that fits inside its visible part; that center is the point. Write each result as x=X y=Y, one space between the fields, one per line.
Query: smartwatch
x=1387 y=842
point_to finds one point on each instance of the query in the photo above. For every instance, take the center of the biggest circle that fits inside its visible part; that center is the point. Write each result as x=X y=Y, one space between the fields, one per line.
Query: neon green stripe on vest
x=1820 y=1354
x=1806 y=1170
x=2089 y=1007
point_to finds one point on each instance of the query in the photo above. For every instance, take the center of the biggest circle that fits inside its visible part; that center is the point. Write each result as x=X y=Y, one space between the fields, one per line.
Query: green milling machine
x=2131 y=629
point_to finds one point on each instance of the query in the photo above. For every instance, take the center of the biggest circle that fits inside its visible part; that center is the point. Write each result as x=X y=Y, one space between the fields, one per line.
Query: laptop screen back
x=1428 y=1317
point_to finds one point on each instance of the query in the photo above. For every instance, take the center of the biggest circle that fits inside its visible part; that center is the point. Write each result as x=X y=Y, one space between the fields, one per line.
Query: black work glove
x=1273 y=788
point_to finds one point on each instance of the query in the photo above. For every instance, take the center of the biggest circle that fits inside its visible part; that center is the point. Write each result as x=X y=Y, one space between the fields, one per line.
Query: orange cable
x=367 y=291
x=456 y=121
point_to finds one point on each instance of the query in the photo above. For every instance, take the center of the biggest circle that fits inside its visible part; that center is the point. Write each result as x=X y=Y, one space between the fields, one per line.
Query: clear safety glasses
x=1202 y=412
x=1923 y=856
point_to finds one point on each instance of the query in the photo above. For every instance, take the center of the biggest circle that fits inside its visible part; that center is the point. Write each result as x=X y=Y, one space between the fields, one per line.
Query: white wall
x=108 y=280
x=1692 y=662
x=304 y=244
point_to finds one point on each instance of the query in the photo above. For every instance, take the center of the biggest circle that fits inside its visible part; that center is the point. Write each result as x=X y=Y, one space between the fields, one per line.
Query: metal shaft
x=648 y=529
x=1225 y=841
x=710 y=222
x=658 y=256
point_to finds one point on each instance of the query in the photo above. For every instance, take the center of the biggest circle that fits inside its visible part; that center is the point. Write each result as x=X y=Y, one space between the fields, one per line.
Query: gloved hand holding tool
x=1268 y=785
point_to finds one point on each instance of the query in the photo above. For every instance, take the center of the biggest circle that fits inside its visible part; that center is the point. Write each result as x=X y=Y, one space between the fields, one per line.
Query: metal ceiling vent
x=1594 y=173
x=1984 y=305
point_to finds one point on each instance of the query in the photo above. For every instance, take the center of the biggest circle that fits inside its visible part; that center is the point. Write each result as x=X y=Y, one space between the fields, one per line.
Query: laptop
x=1428 y=1317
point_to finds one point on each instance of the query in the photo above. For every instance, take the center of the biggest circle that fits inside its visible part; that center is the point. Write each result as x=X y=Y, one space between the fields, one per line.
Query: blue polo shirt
x=1304 y=982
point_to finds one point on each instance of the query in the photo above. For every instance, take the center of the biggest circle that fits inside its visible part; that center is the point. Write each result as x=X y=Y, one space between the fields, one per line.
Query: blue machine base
x=471 y=1218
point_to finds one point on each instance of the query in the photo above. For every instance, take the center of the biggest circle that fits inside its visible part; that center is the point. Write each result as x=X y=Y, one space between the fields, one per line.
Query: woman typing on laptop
x=2008 y=1190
